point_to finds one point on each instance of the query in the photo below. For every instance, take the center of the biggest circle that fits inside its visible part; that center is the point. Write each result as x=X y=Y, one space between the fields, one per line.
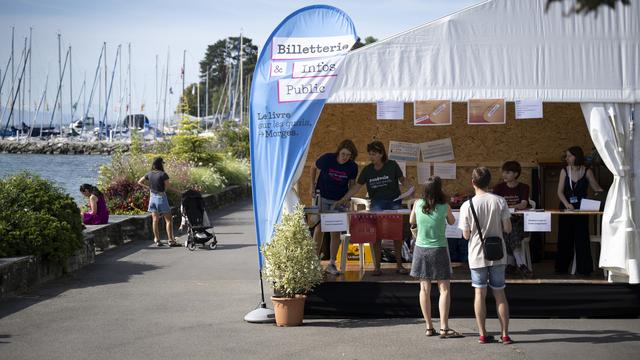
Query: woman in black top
x=573 y=230
x=158 y=202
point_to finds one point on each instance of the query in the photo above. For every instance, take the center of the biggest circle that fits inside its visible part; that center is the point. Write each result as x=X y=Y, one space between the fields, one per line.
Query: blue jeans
x=159 y=203
x=379 y=205
x=494 y=275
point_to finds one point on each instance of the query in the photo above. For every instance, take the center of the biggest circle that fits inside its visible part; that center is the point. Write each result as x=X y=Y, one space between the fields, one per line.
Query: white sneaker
x=331 y=269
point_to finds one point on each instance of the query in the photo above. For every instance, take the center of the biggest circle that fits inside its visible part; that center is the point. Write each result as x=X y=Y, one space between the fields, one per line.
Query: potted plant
x=293 y=267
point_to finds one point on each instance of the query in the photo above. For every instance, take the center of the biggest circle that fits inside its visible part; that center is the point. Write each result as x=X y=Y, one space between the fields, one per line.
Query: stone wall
x=22 y=273
x=67 y=147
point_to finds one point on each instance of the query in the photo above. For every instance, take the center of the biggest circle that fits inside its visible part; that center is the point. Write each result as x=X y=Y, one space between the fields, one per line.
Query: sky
x=162 y=27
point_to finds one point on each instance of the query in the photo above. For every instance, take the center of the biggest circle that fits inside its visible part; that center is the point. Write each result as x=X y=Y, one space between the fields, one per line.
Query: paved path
x=140 y=302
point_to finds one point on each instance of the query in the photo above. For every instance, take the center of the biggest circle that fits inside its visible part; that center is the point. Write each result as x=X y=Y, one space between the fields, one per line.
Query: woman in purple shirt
x=98 y=212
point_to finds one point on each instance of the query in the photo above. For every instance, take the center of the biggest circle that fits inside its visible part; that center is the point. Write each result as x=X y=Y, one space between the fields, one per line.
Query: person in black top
x=573 y=230
x=338 y=172
x=382 y=177
x=158 y=202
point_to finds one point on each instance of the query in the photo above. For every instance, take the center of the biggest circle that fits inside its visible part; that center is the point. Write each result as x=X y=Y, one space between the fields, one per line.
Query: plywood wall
x=527 y=141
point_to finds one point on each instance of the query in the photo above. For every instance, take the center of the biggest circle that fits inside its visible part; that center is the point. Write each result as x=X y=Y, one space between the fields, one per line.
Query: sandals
x=449 y=334
x=173 y=243
x=430 y=332
x=486 y=339
x=506 y=340
x=402 y=271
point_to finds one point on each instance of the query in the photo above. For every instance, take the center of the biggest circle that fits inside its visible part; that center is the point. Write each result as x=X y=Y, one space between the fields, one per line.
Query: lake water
x=68 y=171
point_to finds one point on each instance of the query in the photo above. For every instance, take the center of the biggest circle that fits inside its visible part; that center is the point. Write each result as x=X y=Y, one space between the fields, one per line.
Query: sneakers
x=331 y=269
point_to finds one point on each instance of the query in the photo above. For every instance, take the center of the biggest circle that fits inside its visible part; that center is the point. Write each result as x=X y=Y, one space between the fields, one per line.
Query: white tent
x=513 y=49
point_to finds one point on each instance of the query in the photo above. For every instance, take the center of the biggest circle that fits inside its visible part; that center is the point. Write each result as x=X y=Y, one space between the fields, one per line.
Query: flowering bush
x=234 y=171
x=127 y=197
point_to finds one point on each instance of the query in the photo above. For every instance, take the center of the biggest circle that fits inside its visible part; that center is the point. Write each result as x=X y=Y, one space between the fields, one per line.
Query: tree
x=368 y=40
x=587 y=6
x=222 y=59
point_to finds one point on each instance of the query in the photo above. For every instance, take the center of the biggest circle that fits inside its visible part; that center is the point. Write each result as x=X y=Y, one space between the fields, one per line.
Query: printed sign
x=537 y=221
x=334 y=222
x=445 y=170
x=290 y=90
x=432 y=112
x=294 y=48
x=404 y=151
x=452 y=231
x=486 y=112
x=529 y=109
x=390 y=110
x=437 y=150
x=424 y=172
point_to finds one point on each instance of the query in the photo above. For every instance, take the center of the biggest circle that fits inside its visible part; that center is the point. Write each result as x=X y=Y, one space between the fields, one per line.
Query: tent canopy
x=502 y=49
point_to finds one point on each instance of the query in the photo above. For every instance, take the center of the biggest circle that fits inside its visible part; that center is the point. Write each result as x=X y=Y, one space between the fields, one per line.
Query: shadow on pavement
x=3 y=337
x=603 y=336
x=360 y=323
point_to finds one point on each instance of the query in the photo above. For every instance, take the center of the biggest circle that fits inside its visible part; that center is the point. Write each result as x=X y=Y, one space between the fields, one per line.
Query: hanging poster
x=432 y=112
x=390 y=110
x=403 y=167
x=445 y=170
x=486 y=112
x=424 y=172
x=437 y=150
x=529 y=109
x=404 y=151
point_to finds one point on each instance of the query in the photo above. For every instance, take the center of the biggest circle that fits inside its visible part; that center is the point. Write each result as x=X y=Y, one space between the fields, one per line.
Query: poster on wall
x=403 y=167
x=390 y=110
x=404 y=151
x=432 y=113
x=529 y=109
x=445 y=170
x=486 y=112
x=437 y=150
x=424 y=172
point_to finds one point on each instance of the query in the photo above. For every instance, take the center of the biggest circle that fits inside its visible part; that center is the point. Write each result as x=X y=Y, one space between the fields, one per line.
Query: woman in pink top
x=98 y=212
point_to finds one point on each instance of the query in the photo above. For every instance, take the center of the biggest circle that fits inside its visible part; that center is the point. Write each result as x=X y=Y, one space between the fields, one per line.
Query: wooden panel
x=527 y=141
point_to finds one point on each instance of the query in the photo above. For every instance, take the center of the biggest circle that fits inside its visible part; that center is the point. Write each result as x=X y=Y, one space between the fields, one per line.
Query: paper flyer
x=424 y=172
x=390 y=110
x=405 y=194
x=437 y=150
x=432 y=113
x=404 y=151
x=445 y=170
x=403 y=167
x=486 y=112
x=529 y=109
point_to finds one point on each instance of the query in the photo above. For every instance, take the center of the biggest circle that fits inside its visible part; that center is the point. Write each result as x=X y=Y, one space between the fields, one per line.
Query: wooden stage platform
x=357 y=293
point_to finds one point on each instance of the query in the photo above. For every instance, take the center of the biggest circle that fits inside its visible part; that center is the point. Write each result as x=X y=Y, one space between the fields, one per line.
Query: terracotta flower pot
x=289 y=311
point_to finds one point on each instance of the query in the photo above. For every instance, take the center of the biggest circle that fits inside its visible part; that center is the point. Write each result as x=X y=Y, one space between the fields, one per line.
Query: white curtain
x=611 y=129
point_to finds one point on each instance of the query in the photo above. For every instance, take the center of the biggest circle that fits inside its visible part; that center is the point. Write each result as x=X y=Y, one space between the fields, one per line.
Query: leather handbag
x=492 y=245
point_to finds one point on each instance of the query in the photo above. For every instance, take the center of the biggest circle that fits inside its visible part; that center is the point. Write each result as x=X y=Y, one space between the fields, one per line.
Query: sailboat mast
x=73 y=109
x=30 y=49
x=129 y=110
x=166 y=87
x=184 y=70
x=106 y=95
x=59 y=96
x=240 y=78
x=156 y=86
x=13 y=30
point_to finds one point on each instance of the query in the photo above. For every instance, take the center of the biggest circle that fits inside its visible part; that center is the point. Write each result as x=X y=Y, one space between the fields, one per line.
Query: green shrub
x=207 y=180
x=38 y=218
x=234 y=171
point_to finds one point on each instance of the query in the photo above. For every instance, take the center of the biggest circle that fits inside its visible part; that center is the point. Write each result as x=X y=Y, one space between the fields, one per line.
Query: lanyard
x=570 y=180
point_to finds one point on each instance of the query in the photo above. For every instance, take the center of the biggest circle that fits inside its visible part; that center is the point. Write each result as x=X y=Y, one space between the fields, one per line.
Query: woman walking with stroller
x=158 y=202
x=430 y=256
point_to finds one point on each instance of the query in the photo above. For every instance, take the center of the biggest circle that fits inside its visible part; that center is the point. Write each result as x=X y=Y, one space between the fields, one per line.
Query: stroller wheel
x=213 y=244
x=191 y=246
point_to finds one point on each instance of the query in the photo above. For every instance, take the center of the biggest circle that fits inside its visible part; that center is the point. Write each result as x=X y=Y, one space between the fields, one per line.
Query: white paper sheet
x=403 y=167
x=334 y=222
x=390 y=110
x=424 y=172
x=537 y=221
x=437 y=150
x=405 y=194
x=445 y=170
x=405 y=151
x=452 y=231
x=529 y=109
x=589 y=205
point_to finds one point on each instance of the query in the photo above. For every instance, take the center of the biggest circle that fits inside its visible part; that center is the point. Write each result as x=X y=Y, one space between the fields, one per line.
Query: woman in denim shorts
x=158 y=202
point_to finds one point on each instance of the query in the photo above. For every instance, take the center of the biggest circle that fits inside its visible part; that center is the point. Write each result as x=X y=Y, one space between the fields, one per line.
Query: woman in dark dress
x=573 y=230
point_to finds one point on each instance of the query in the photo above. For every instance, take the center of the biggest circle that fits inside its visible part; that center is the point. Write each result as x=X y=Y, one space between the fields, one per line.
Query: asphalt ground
x=142 y=302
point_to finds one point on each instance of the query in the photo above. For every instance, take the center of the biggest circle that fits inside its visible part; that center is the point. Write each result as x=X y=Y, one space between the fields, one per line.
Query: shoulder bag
x=492 y=245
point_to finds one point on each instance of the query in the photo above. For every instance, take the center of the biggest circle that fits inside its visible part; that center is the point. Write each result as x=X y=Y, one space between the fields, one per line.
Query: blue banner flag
x=291 y=82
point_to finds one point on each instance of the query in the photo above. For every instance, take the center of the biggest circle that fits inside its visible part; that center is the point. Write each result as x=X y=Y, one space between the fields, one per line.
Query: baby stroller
x=193 y=216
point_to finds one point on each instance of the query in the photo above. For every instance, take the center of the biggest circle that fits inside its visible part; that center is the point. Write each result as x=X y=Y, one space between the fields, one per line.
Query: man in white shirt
x=494 y=219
